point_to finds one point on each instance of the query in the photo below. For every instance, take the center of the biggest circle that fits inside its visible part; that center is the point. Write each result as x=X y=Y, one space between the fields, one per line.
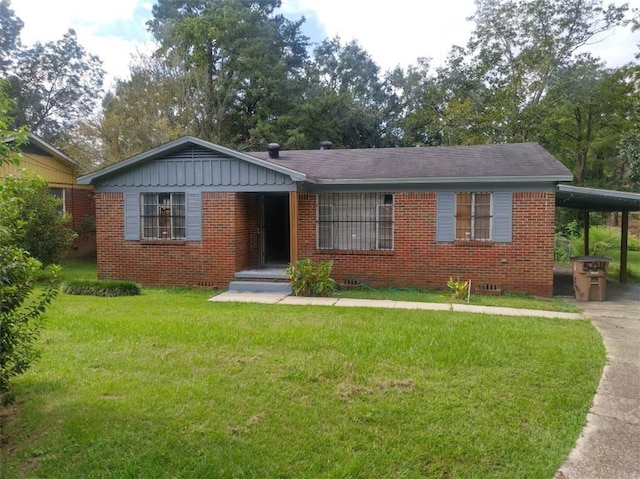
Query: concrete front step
x=259 y=287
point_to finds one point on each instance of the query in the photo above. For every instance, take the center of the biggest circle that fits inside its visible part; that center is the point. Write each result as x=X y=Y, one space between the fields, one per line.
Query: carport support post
x=585 y=220
x=624 y=246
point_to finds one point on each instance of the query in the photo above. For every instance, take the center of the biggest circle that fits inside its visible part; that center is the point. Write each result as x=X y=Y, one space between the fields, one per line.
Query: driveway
x=609 y=446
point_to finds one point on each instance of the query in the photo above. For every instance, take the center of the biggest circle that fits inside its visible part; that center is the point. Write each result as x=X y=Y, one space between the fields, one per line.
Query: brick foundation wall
x=209 y=263
x=417 y=260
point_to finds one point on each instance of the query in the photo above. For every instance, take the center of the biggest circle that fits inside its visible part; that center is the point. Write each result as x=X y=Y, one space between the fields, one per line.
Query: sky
x=393 y=32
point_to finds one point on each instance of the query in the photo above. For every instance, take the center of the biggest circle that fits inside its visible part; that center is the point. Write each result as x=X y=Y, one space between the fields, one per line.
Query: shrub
x=562 y=249
x=459 y=289
x=33 y=218
x=101 y=288
x=20 y=313
x=308 y=279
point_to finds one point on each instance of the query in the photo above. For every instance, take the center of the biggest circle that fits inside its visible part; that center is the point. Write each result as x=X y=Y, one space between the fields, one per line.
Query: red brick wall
x=80 y=204
x=208 y=263
x=230 y=221
x=247 y=213
x=419 y=261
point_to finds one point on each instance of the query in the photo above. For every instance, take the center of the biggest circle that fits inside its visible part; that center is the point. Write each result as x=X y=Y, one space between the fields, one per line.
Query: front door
x=274 y=229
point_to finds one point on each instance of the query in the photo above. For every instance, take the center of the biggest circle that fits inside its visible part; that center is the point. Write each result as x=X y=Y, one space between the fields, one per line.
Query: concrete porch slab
x=263 y=298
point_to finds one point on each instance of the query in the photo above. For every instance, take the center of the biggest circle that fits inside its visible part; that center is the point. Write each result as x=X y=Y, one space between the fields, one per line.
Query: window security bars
x=350 y=221
x=473 y=216
x=163 y=216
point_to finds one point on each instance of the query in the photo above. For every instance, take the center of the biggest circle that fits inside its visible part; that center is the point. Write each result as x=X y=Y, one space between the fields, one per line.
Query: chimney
x=274 y=151
x=325 y=145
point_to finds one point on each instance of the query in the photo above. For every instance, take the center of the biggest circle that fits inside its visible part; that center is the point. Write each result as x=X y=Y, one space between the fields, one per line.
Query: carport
x=587 y=200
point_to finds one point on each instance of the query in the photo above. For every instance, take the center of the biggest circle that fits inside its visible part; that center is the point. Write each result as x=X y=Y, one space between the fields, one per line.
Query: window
x=473 y=216
x=58 y=193
x=163 y=216
x=353 y=221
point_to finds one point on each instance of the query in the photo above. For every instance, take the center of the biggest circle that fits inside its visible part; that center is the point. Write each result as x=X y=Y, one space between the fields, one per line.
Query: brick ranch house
x=41 y=158
x=194 y=213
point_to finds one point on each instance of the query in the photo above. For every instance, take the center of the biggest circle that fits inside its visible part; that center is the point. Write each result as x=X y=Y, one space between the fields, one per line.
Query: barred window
x=351 y=221
x=163 y=216
x=473 y=216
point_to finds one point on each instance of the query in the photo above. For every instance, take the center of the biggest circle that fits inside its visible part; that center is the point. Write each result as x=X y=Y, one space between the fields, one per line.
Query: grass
x=605 y=241
x=507 y=300
x=168 y=385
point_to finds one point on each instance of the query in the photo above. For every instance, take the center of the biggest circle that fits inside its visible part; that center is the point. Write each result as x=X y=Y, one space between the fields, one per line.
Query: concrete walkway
x=281 y=298
x=609 y=446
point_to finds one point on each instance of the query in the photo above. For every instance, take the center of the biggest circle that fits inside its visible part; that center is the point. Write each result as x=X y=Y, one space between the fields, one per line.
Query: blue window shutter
x=446 y=216
x=502 y=217
x=194 y=216
x=131 y=216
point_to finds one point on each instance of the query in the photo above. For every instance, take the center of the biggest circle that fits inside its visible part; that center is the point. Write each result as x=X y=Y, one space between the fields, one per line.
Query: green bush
x=603 y=241
x=101 y=288
x=459 y=289
x=20 y=312
x=33 y=218
x=308 y=279
x=563 y=248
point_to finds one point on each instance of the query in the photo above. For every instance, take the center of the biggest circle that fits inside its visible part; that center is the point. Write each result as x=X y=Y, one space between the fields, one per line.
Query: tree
x=33 y=220
x=143 y=112
x=582 y=118
x=10 y=28
x=343 y=101
x=241 y=60
x=55 y=86
x=517 y=49
x=629 y=159
x=10 y=139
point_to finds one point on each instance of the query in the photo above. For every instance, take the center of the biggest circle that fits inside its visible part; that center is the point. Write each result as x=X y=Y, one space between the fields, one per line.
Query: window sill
x=162 y=242
x=474 y=243
x=357 y=252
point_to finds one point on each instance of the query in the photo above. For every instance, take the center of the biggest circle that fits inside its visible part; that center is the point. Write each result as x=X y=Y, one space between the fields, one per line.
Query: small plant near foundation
x=101 y=288
x=459 y=289
x=308 y=279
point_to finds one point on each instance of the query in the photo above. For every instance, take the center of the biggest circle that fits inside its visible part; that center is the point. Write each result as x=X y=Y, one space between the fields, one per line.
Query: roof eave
x=48 y=147
x=445 y=180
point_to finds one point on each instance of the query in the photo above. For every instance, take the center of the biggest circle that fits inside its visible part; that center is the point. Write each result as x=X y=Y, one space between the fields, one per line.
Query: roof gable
x=48 y=149
x=183 y=149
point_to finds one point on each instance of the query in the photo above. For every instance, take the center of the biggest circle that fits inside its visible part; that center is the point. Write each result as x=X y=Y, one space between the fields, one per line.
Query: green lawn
x=168 y=385
x=506 y=300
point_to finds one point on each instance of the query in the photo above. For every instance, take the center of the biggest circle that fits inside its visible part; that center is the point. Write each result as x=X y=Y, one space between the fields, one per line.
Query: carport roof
x=592 y=199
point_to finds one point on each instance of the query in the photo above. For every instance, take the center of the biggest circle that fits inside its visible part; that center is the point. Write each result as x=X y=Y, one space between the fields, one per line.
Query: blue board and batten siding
x=197 y=168
x=502 y=216
x=192 y=171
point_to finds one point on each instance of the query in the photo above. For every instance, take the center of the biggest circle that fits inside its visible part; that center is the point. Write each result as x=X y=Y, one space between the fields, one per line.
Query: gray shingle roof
x=516 y=161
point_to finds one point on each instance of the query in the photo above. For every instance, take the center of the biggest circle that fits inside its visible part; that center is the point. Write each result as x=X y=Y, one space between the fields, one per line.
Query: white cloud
x=111 y=30
x=396 y=32
x=393 y=32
